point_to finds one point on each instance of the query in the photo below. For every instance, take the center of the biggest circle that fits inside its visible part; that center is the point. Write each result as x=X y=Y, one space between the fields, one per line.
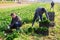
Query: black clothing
x=15 y=23
x=39 y=12
x=52 y=4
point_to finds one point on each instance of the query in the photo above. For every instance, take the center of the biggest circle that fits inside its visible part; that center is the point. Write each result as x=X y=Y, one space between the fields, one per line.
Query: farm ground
x=54 y=33
x=12 y=5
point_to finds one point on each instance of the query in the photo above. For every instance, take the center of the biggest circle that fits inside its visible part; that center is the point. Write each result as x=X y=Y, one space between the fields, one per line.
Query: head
x=13 y=15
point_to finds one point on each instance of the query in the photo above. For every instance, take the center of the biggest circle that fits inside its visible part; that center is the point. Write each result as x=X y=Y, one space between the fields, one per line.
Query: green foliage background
x=27 y=13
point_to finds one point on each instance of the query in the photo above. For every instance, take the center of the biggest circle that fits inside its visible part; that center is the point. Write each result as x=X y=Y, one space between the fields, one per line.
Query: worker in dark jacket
x=52 y=5
x=38 y=14
x=16 y=22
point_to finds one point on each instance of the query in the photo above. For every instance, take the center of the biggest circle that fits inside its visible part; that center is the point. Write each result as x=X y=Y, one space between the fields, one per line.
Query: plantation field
x=14 y=5
x=27 y=13
x=5 y=2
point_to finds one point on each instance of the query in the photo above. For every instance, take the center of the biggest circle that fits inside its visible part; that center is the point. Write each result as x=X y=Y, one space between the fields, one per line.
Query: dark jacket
x=16 y=21
x=52 y=4
x=38 y=13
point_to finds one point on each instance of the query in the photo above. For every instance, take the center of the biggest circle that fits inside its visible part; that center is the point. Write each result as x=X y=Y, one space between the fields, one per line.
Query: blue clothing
x=38 y=13
x=15 y=23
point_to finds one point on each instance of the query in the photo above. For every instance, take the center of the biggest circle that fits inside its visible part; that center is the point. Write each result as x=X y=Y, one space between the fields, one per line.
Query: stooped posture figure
x=52 y=5
x=38 y=14
x=16 y=22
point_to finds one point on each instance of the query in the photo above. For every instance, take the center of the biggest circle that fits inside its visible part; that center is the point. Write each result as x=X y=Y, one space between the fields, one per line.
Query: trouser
x=40 y=17
x=16 y=26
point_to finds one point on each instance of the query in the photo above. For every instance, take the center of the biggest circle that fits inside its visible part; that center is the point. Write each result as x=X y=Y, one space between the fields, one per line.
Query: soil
x=11 y=5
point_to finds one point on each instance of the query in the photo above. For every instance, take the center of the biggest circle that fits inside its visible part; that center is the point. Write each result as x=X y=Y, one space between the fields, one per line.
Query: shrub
x=12 y=36
x=44 y=23
x=42 y=30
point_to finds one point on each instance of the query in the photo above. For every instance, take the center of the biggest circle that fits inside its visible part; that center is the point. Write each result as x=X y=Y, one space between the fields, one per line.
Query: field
x=27 y=13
